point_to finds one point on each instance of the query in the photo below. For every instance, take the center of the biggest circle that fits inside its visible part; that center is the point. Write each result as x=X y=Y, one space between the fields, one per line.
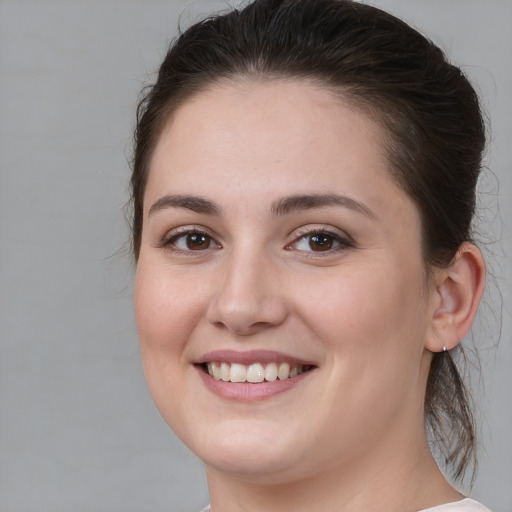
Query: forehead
x=292 y=108
x=261 y=140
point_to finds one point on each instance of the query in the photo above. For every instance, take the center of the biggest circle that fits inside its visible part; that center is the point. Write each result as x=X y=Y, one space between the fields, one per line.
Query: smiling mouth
x=254 y=373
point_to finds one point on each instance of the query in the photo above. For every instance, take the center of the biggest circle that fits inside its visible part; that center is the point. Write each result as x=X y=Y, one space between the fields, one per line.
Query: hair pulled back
x=393 y=74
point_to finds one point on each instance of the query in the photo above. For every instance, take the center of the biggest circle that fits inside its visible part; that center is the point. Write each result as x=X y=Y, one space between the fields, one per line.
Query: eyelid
x=345 y=241
x=321 y=228
x=181 y=231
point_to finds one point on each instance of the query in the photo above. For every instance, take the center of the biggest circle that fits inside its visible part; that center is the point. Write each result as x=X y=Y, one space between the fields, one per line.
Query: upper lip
x=251 y=356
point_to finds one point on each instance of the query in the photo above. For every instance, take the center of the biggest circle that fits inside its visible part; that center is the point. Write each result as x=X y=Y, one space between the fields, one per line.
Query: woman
x=303 y=188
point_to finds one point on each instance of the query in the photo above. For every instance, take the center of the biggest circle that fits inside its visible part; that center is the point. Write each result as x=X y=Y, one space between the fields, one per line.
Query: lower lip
x=247 y=392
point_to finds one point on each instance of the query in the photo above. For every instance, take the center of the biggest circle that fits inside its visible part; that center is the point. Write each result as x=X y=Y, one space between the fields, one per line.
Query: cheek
x=359 y=302
x=372 y=327
x=167 y=309
x=166 y=312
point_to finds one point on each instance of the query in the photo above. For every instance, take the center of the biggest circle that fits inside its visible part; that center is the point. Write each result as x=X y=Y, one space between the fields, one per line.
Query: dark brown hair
x=395 y=75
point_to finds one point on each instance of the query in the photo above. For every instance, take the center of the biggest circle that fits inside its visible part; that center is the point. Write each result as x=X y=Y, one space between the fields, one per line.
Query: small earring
x=445 y=349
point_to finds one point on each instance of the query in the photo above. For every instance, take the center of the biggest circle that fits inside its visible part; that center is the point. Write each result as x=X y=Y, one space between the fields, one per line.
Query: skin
x=366 y=313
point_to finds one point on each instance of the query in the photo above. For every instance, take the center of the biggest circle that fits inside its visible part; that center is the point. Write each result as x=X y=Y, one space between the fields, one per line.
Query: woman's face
x=276 y=248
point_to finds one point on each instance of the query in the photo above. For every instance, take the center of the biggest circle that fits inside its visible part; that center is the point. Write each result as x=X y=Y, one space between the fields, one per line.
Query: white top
x=465 y=505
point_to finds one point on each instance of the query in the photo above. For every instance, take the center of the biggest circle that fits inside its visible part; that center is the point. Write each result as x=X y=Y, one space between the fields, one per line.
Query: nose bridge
x=248 y=298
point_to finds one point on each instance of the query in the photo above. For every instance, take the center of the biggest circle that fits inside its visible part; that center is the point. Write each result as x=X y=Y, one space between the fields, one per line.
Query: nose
x=249 y=298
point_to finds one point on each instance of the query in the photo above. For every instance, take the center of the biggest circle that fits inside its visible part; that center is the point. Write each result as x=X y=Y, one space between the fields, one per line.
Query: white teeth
x=238 y=373
x=284 y=371
x=254 y=373
x=224 y=372
x=271 y=372
x=214 y=370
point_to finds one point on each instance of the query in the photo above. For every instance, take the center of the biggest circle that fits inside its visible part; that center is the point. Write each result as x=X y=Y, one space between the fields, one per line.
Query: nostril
x=246 y=319
x=243 y=329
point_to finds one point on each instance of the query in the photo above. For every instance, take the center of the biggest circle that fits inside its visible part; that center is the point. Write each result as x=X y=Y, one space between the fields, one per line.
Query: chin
x=259 y=452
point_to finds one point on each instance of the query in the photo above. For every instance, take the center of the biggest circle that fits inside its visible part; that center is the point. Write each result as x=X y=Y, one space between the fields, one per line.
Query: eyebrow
x=310 y=201
x=280 y=207
x=194 y=203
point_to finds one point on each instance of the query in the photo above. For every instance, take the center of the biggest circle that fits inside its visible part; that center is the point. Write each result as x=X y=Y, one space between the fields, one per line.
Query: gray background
x=78 y=431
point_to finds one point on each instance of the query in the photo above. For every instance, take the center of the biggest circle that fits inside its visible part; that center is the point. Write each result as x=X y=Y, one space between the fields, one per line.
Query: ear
x=459 y=289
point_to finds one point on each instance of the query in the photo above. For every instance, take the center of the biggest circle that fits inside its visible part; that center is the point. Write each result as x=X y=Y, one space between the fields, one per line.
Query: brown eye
x=192 y=241
x=321 y=242
x=198 y=241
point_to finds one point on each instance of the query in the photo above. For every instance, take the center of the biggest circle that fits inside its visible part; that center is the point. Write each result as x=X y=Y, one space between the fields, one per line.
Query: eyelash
x=340 y=243
x=179 y=233
x=343 y=243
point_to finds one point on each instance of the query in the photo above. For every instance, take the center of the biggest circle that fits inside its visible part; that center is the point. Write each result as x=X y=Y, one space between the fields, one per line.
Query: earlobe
x=459 y=290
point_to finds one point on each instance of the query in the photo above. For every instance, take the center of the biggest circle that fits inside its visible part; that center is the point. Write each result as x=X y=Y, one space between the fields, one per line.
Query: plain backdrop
x=78 y=430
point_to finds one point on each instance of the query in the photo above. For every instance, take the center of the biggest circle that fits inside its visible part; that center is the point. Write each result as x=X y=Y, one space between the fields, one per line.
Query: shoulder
x=465 y=505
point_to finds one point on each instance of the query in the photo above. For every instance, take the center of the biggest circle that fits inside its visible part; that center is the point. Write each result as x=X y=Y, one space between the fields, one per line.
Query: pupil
x=198 y=241
x=321 y=242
